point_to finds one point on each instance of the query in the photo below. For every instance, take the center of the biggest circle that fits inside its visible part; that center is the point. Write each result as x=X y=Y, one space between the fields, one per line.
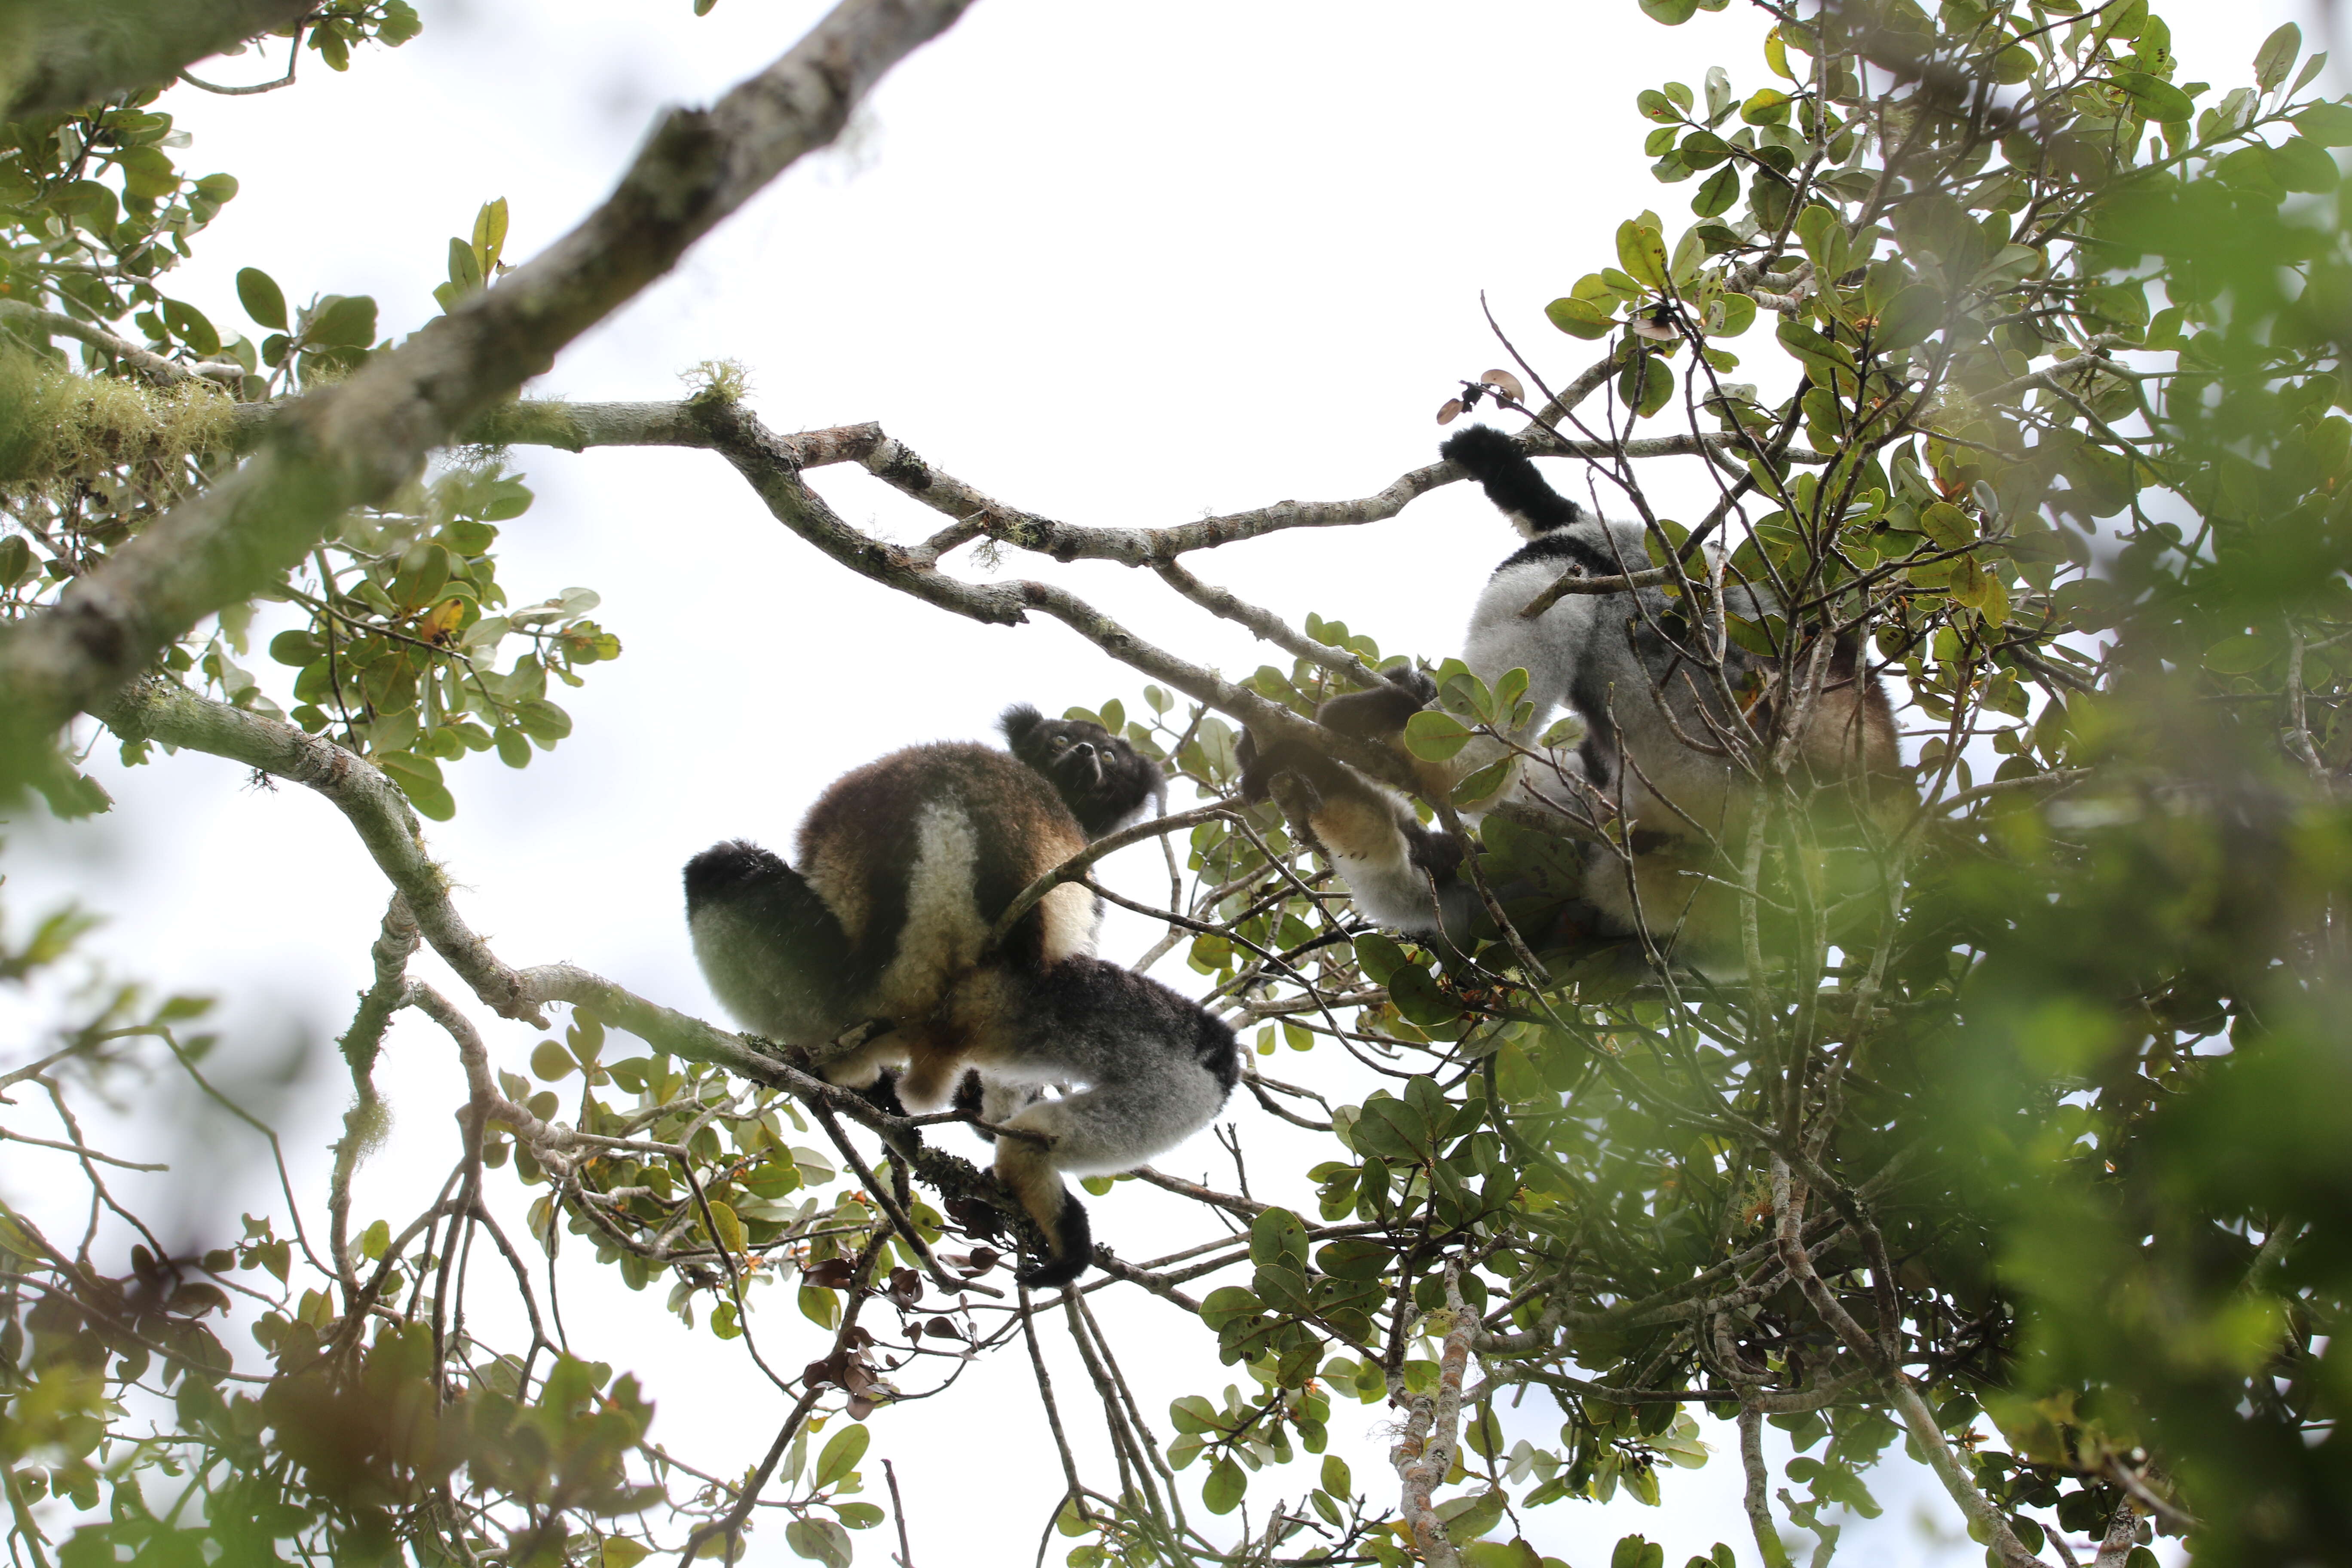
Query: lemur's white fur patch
x=1071 y=921
x=942 y=932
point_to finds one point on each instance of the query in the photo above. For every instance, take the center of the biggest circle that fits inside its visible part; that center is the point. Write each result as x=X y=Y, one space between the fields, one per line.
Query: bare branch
x=1423 y=1454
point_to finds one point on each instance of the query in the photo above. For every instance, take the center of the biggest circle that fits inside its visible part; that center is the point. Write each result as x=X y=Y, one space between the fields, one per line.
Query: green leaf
x=1719 y=191
x=147 y=173
x=1645 y=385
x=551 y=1062
x=419 y=779
x=1276 y=1234
x=2153 y=97
x=490 y=232
x=1226 y=1304
x=1908 y=318
x=619 y=1552
x=1467 y=1519
x=1947 y=525
x=1190 y=1413
x=1512 y=1553
x=2277 y=55
x=16 y=564
x=188 y=324
x=1642 y=251
x=1581 y=317
x=819 y=1541
x=2329 y=124
x=1673 y=13
x=263 y=300
x=1766 y=106
x=1739 y=315
x=542 y=720
x=1336 y=1479
x=2242 y=655
x=296 y=647
x=1486 y=782
x=343 y=322
x=465 y=268
x=1433 y=736
x=1818 y=231
x=1222 y=1492
x=726 y=1228
x=2303 y=164
x=1657 y=105
x=1416 y=997
x=1379 y=956
x=841 y=1455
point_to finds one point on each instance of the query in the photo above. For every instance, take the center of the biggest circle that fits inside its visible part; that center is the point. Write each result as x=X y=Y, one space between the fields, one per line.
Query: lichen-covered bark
x=55 y=56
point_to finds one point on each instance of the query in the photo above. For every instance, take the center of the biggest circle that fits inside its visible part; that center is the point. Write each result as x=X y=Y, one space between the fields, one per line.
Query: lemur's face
x=1099 y=776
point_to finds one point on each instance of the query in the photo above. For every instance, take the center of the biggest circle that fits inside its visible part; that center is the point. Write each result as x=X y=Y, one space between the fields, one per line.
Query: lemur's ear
x=1019 y=722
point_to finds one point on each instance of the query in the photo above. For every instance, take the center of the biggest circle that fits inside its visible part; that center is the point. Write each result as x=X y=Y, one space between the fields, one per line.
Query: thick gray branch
x=352 y=444
x=64 y=57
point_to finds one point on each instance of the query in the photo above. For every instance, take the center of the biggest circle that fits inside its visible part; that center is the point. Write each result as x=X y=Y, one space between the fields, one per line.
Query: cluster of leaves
x=2049 y=1106
x=401 y=617
x=2067 y=347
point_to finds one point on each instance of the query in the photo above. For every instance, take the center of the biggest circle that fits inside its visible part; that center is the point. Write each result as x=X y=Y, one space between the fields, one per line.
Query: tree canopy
x=2019 y=1132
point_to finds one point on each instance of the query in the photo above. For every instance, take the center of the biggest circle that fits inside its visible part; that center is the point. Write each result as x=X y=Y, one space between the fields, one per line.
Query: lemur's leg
x=1114 y=1126
x=774 y=956
x=1381 y=713
x=1402 y=876
x=994 y=1100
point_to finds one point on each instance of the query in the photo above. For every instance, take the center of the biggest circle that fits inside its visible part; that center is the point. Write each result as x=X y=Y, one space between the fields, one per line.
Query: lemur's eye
x=1060 y=743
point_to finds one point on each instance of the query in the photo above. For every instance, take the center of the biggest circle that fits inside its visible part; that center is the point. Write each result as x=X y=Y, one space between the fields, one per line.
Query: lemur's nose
x=1083 y=749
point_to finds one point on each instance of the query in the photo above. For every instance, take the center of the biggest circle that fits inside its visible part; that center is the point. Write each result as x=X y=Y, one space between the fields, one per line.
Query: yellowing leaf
x=1642 y=251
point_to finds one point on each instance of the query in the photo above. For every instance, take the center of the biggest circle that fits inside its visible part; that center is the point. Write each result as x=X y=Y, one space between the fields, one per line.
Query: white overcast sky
x=1114 y=263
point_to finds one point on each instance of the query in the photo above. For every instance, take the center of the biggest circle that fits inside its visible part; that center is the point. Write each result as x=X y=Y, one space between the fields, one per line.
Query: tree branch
x=68 y=56
x=352 y=444
x=155 y=367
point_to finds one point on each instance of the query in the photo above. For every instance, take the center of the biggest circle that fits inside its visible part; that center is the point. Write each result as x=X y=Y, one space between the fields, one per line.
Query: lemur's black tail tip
x=1511 y=479
x=1074 y=1249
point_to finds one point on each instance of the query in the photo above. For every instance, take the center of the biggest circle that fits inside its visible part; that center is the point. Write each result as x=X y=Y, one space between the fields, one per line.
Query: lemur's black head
x=1102 y=779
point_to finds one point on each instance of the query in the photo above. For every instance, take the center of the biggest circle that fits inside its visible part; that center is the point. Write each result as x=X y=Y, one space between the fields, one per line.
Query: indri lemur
x=904 y=866
x=1623 y=664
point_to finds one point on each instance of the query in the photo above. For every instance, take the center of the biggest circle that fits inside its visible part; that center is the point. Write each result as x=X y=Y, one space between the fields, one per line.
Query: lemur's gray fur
x=1615 y=660
x=905 y=866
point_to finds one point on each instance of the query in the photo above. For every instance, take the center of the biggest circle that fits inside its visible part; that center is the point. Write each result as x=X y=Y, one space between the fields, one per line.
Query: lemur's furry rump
x=1511 y=479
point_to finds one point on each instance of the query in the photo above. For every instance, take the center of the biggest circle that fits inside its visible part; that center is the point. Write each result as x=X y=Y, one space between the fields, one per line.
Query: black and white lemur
x=904 y=867
x=1615 y=662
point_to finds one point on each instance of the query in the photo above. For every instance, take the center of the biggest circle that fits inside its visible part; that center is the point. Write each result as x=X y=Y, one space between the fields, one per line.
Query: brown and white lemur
x=904 y=867
x=1623 y=664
